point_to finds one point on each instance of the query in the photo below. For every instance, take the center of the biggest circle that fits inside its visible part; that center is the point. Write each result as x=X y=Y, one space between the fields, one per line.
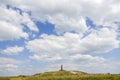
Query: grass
x=65 y=75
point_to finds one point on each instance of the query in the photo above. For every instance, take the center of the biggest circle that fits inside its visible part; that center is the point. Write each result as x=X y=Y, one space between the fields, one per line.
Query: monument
x=61 y=68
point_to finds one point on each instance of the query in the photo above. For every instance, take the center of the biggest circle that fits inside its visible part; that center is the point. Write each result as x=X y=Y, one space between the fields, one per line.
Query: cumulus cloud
x=87 y=58
x=12 y=50
x=10 y=32
x=80 y=58
x=13 y=67
x=74 y=42
x=98 y=41
x=4 y=60
x=8 y=65
x=101 y=41
x=66 y=24
x=46 y=57
x=66 y=14
x=11 y=24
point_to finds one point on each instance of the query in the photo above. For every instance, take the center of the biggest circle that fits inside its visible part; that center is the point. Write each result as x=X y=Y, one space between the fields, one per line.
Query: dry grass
x=66 y=75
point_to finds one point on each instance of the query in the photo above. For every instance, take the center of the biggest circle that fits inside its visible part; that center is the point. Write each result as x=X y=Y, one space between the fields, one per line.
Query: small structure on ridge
x=61 y=68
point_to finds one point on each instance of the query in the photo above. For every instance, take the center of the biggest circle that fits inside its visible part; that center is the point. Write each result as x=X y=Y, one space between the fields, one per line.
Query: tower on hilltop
x=61 y=68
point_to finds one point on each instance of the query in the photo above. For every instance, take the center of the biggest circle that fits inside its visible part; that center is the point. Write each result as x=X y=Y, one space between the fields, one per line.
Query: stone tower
x=61 y=68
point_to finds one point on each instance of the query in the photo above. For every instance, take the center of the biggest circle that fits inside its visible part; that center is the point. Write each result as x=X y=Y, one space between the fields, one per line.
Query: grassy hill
x=66 y=75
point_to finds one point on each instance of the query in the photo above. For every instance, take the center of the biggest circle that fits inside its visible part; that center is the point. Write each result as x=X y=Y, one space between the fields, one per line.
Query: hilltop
x=65 y=75
x=61 y=73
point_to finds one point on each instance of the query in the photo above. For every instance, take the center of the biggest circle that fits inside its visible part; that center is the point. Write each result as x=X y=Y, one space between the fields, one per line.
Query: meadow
x=65 y=75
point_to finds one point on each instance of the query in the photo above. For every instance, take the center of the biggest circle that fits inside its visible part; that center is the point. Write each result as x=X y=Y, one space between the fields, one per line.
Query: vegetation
x=4 y=78
x=66 y=75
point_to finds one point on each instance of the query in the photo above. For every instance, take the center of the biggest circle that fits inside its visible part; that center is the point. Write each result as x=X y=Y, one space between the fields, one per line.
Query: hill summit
x=65 y=75
x=61 y=73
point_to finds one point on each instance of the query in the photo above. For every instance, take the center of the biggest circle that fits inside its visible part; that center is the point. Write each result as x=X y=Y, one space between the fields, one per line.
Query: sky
x=39 y=35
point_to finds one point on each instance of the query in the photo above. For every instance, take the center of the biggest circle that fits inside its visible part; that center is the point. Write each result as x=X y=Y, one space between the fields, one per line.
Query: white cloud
x=27 y=21
x=10 y=32
x=11 y=24
x=98 y=41
x=66 y=14
x=46 y=57
x=12 y=50
x=87 y=58
x=101 y=41
x=4 y=60
x=8 y=67
x=66 y=24
x=8 y=64
x=70 y=17
x=15 y=67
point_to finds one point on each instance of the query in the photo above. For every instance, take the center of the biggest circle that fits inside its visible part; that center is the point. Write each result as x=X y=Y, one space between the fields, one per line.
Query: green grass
x=4 y=78
x=66 y=75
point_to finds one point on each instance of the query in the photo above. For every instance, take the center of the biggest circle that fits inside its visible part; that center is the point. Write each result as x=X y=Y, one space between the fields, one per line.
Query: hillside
x=66 y=75
x=61 y=73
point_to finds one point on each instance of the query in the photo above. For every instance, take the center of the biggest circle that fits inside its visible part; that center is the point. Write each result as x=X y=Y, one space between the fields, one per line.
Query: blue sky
x=36 y=37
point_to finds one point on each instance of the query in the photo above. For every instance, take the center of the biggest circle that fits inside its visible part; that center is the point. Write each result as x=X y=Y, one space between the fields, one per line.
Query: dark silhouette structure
x=61 y=68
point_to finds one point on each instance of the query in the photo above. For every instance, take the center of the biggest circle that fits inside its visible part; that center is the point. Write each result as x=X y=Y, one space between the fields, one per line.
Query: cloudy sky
x=40 y=35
